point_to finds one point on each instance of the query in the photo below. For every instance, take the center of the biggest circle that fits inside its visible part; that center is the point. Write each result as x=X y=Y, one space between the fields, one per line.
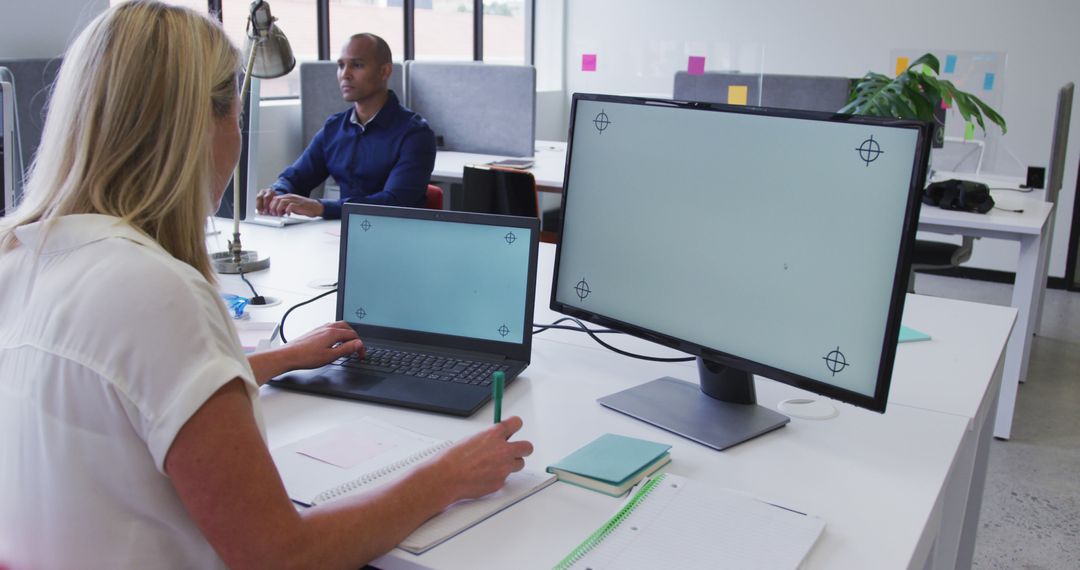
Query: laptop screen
x=438 y=276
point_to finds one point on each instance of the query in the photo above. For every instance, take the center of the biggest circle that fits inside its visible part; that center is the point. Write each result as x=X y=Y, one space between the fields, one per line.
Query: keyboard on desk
x=278 y=221
x=421 y=365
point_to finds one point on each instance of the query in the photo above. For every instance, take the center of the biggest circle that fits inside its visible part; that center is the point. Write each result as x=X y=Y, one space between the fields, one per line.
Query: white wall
x=43 y=28
x=641 y=43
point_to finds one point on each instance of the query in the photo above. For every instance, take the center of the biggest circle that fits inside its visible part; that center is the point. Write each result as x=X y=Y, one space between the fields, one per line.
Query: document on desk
x=675 y=522
x=365 y=454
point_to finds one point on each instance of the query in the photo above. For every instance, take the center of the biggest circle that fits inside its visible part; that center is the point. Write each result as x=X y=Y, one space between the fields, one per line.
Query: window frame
x=322 y=18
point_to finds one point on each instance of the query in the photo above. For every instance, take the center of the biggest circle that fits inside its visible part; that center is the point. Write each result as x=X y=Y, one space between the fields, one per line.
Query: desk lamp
x=269 y=56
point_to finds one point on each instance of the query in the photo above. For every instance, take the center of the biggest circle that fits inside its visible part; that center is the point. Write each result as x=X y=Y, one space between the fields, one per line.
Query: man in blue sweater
x=378 y=151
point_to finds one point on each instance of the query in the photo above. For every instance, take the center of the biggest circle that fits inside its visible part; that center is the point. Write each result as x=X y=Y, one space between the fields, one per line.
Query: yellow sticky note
x=901 y=65
x=736 y=95
x=969 y=131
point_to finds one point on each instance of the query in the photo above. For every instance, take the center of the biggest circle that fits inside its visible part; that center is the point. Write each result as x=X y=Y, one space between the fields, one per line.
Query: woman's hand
x=321 y=346
x=480 y=464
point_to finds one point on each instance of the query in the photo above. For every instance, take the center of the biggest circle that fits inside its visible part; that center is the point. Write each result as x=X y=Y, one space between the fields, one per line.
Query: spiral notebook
x=367 y=453
x=674 y=522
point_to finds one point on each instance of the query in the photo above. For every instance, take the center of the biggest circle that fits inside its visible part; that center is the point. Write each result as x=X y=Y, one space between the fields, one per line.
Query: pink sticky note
x=588 y=62
x=696 y=65
x=944 y=105
x=345 y=446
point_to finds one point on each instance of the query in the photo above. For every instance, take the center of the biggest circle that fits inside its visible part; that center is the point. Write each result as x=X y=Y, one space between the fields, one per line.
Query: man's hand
x=268 y=201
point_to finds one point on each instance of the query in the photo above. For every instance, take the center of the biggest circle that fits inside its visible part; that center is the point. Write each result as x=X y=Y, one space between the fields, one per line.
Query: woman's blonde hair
x=128 y=132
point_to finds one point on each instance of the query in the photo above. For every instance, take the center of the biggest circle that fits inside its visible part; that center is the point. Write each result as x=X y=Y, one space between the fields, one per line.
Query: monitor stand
x=722 y=412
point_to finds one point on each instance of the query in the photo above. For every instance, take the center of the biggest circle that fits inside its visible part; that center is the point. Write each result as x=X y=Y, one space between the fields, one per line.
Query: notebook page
x=314 y=465
x=685 y=524
x=463 y=515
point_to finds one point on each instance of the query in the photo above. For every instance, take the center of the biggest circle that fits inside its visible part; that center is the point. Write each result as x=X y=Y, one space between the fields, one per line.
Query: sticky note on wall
x=901 y=64
x=969 y=131
x=736 y=94
x=988 y=82
x=950 y=64
x=588 y=62
x=695 y=65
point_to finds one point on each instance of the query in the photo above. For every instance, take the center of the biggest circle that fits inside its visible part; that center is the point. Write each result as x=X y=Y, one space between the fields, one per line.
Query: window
x=296 y=18
x=444 y=30
x=504 y=32
x=348 y=17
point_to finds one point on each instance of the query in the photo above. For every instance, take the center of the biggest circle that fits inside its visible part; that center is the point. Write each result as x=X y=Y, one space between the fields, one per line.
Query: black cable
x=592 y=333
x=1023 y=189
x=281 y=325
x=580 y=328
x=1008 y=210
x=256 y=298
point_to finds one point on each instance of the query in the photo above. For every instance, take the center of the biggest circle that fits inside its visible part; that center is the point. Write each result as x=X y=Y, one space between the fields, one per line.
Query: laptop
x=441 y=300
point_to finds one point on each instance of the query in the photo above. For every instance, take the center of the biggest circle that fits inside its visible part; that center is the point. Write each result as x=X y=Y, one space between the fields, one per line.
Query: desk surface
x=548 y=167
x=876 y=479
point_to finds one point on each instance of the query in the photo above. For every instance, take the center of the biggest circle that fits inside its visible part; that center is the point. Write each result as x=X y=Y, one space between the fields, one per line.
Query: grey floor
x=1031 y=510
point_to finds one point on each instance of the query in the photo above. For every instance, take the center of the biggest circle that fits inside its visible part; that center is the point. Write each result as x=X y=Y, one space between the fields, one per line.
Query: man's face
x=359 y=74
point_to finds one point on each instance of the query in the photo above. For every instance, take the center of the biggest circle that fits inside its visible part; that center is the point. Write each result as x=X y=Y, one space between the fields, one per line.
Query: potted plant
x=916 y=94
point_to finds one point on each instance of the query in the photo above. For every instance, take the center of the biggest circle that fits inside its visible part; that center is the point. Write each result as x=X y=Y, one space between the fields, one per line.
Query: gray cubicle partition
x=804 y=92
x=320 y=96
x=33 y=86
x=476 y=107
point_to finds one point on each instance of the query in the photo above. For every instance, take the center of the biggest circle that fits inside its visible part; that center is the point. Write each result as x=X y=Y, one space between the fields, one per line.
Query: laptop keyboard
x=420 y=365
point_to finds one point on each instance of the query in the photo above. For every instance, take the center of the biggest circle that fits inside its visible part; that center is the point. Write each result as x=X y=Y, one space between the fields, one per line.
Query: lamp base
x=225 y=262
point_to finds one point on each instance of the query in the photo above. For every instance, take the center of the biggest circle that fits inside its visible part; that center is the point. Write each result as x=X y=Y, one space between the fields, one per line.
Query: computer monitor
x=249 y=163
x=1060 y=141
x=8 y=147
x=763 y=241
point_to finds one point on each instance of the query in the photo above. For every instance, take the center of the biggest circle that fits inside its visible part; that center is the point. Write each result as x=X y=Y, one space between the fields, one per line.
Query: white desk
x=549 y=163
x=897 y=490
x=1031 y=229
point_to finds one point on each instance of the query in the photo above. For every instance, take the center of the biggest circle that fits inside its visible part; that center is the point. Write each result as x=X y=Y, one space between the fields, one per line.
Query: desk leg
x=1044 y=268
x=1030 y=278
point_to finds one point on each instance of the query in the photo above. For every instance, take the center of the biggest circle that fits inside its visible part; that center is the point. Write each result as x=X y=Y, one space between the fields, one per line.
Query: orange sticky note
x=736 y=95
x=901 y=64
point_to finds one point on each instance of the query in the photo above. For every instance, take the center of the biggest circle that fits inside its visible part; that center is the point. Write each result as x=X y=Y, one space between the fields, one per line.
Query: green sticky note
x=908 y=334
x=969 y=131
x=927 y=70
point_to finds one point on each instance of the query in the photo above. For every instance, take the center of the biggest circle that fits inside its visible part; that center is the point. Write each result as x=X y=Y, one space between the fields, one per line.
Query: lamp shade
x=273 y=56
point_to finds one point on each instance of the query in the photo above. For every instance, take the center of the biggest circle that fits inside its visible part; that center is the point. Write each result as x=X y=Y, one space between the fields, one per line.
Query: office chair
x=935 y=256
x=507 y=191
x=433 y=199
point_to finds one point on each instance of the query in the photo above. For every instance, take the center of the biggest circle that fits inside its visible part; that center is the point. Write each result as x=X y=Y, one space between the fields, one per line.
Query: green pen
x=498 y=381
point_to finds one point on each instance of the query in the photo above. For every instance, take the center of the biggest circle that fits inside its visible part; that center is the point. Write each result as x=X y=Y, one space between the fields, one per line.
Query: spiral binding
x=613 y=523
x=371 y=477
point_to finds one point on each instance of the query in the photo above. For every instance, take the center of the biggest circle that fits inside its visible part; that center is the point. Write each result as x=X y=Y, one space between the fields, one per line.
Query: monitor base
x=683 y=409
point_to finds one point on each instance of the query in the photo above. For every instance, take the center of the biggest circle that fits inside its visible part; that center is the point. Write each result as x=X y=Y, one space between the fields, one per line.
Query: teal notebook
x=908 y=334
x=612 y=463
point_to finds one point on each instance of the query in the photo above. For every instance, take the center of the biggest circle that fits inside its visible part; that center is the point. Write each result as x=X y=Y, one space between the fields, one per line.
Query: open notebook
x=365 y=454
x=674 y=522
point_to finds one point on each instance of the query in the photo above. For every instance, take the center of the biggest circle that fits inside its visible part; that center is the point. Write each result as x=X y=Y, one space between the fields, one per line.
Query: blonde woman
x=131 y=432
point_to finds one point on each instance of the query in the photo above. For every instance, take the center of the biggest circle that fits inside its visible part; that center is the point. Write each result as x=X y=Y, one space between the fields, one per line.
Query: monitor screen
x=444 y=277
x=770 y=241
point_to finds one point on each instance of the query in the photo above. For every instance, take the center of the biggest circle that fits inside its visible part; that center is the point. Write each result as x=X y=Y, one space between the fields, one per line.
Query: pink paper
x=696 y=65
x=344 y=447
x=588 y=62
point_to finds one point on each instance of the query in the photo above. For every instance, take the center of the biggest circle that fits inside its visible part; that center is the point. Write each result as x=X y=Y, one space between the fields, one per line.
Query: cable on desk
x=281 y=325
x=1022 y=189
x=256 y=298
x=593 y=332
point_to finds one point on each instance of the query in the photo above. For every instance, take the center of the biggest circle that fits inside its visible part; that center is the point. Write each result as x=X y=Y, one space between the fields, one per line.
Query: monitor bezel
x=517 y=351
x=878 y=401
x=7 y=139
